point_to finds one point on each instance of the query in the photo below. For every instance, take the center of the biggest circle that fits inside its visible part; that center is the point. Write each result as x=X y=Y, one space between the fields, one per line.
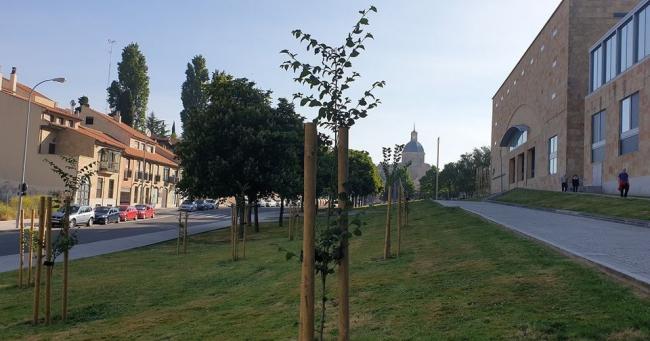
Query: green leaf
x=373 y=8
x=315 y=103
x=304 y=101
x=363 y=21
x=354 y=53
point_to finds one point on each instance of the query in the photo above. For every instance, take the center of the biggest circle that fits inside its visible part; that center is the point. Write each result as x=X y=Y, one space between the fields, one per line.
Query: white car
x=188 y=206
x=79 y=215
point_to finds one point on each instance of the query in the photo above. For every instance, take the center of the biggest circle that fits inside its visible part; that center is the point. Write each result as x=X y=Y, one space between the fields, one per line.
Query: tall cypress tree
x=193 y=92
x=130 y=93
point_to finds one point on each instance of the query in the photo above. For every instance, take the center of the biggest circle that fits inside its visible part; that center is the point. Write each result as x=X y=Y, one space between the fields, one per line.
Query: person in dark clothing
x=565 y=184
x=624 y=183
x=575 y=182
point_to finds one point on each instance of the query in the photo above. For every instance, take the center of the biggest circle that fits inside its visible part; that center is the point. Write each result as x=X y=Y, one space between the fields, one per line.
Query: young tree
x=193 y=90
x=328 y=82
x=173 y=134
x=156 y=126
x=129 y=95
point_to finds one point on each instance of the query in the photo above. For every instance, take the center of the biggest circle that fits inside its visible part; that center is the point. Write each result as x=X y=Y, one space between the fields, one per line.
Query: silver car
x=188 y=206
x=79 y=215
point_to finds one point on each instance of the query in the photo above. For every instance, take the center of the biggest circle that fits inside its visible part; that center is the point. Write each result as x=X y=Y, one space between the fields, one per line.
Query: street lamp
x=23 y=186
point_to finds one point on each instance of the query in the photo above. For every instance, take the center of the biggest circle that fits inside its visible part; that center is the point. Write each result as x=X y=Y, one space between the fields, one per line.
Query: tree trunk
x=344 y=270
x=50 y=266
x=389 y=198
x=257 y=219
x=281 y=211
x=308 y=244
x=42 y=216
x=241 y=207
x=400 y=209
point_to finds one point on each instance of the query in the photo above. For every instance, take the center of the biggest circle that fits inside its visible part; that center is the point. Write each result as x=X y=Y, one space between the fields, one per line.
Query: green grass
x=459 y=277
x=610 y=206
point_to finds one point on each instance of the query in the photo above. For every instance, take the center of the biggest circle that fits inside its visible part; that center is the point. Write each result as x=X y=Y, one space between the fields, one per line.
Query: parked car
x=106 y=215
x=128 y=213
x=200 y=205
x=145 y=211
x=79 y=215
x=188 y=205
x=212 y=204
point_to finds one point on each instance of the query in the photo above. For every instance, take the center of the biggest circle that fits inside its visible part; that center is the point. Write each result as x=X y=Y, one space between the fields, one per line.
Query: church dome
x=414 y=146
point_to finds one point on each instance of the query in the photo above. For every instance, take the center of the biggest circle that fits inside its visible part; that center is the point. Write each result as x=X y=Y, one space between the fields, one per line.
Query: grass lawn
x=611 y=206
x=459 y=277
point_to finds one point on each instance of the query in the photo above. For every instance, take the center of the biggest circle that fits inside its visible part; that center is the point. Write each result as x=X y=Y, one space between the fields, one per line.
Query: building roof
x=56 y=110
x=100 y=137
x=413 y=147
x=154 y=157
x=131 y=131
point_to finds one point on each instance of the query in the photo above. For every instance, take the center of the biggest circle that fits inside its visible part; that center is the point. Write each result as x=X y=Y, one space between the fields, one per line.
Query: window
x=51 y=149
x=90 y=120
x=531 y=163
x=60 y=120
x=100 y=187
x=135 y=195
x=629 y=124
x=596 y=68
x=52 y=118
x=598 y=137
x=610 y=58
x=522 y=166
x=644 y=33
x=552 y=155
x=70 y=123
x=111 y=186
x=519 y=140
x=511 y=167
x=627 y=45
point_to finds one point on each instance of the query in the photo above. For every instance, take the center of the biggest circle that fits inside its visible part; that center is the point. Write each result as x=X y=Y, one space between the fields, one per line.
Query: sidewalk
x=10 y=262
x=621 y=248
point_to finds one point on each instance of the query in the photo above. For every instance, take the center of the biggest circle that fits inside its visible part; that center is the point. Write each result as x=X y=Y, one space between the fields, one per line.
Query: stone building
x=538 y=113
x=414 y=153
x=617 y=108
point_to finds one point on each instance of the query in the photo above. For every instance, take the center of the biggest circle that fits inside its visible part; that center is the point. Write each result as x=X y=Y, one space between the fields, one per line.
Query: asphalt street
x=163 y=221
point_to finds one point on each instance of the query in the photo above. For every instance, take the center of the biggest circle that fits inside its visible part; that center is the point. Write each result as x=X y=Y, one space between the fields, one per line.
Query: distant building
x=414 y=153
x=540 y=131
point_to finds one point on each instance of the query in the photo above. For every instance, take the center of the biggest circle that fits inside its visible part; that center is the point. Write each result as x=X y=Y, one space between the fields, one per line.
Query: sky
x=442 y=60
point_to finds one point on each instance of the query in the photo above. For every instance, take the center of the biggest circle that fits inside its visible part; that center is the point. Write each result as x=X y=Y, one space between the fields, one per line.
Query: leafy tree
x=458 y=179
x=193 y=90
x=82 y=102
x=173 y=134
x=156 y=126
x=230 y=141
x=428 y=183
x=364 y=178
x=129 y=95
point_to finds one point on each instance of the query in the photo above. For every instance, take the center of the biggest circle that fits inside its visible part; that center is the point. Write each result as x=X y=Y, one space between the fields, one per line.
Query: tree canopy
x=129 y=95
x=156 y=126
x=193 y=90
x=459 y=178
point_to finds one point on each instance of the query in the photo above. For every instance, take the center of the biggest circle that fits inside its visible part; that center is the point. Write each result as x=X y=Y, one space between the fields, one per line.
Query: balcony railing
x=107 y=166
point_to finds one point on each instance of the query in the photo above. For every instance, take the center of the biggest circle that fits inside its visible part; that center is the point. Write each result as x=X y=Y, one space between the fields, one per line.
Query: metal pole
x=437 y=165
x=29 y=113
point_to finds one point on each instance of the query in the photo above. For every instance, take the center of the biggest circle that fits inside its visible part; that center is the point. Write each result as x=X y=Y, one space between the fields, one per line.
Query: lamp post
x=23 y=186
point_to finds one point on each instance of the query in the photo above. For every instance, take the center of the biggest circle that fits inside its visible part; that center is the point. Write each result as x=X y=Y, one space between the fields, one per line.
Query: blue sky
x=442 y=60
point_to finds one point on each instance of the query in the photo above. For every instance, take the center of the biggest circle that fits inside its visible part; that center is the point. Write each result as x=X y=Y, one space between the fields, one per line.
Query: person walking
x=623 y=183
x=565 y=184
x=575 y=182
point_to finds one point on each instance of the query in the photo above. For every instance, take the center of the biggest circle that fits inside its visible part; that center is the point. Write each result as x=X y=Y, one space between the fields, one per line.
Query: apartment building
x=130 y=168
x=538 y=113
x=617 y=109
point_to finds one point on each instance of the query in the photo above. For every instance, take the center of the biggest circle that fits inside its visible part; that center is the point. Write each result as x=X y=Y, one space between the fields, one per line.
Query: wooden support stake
x=66 y=258
x=50 y=266
x=180 y=230
x=244 y=243
x=389 y=197
x=233 y=221
x=185 y=228
x=343 y=275
x=31 y=250
x=399 y=218
x=21 y=247
x=307 y=277
x=39 y=260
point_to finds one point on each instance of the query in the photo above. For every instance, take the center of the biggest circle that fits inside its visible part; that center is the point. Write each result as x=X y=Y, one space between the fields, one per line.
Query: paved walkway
x=619 y=247
x=10 y=262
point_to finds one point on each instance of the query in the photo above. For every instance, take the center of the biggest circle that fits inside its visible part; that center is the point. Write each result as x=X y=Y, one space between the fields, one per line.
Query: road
x=164 y=220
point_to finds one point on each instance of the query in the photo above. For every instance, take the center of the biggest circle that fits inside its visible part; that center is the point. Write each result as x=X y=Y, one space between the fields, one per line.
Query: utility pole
x=437 y=165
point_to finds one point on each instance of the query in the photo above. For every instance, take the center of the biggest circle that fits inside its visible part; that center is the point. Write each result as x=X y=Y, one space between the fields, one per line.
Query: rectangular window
x=598 y=137
x=644 y=33
x=90 y=120
x=51 y=148
x=522 y=166
x=627 y=45
x=610 y=58
x=552 y=155
x=596 y=68
x=111 y=188
x=629 y=124
x=531 y=163
x=100 y=187
x=512 y=168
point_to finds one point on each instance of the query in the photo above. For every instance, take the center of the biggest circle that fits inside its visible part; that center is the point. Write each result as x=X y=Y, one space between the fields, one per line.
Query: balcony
x=109 y=167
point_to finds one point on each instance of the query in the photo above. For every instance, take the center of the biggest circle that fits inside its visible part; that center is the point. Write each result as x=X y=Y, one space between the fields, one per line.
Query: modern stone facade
x=538 y=113
x=617 y=111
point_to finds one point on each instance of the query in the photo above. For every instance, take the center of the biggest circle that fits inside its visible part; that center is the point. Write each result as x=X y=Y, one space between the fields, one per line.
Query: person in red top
x=624 y=183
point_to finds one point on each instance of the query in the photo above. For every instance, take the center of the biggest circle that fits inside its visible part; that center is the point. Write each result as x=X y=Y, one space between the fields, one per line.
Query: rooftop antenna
x=111 y=42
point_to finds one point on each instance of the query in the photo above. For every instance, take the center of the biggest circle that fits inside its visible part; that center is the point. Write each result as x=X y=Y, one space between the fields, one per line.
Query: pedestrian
x=575 y=182
x=565 y=184
x=624 y=183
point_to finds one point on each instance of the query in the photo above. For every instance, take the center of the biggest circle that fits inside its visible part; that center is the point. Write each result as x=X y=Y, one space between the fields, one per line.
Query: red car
x=145 y=211
x=128 y=213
